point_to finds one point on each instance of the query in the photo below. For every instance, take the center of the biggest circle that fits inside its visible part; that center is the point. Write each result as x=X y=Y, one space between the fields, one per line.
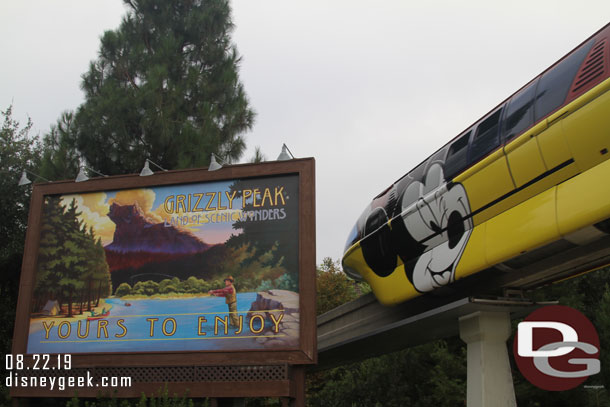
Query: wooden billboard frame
x=304 y=354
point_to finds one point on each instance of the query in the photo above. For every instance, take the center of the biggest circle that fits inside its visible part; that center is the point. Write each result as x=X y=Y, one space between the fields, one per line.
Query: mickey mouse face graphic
x=437 y=220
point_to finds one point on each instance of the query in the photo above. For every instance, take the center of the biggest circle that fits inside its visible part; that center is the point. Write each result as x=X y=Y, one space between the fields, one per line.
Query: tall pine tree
x=166 y=87
x=18 y=151
x=60 y=159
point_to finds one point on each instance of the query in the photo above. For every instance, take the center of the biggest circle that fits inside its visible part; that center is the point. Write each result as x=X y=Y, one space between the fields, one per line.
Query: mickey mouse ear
x=434 y=178
x=411 y=195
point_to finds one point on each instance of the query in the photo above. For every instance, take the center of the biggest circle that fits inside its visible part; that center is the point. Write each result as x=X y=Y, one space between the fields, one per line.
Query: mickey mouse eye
x=455 y=228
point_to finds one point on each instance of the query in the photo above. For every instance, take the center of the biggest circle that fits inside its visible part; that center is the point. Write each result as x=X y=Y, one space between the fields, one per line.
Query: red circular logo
x=556 y=348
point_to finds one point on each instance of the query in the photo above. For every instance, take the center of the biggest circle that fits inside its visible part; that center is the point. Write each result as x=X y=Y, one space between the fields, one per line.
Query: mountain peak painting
x=135 y=233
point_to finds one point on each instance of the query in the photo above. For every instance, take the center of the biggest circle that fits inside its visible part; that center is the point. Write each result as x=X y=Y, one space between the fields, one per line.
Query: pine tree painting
x=72 y=265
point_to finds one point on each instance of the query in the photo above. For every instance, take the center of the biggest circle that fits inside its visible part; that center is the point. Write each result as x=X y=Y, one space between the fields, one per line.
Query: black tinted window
x=457 y=157
x=486 y=138
x=520 y=112
x=555 y=84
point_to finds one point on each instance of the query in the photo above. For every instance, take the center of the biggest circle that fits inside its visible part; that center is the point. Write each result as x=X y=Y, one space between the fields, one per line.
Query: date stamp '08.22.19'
x=30 y=372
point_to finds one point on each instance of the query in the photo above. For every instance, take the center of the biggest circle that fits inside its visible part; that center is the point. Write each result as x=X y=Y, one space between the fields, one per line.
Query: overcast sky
x=369 y=89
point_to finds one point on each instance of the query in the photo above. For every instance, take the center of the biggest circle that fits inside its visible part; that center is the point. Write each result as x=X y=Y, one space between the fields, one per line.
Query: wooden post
x=299 y=384
x=298 y=388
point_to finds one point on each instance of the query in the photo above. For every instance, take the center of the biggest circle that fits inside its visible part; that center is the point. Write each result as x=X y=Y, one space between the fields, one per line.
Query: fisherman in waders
x=230 y=294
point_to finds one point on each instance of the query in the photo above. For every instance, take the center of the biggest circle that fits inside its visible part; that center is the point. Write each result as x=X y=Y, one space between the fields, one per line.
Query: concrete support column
x=489 y=382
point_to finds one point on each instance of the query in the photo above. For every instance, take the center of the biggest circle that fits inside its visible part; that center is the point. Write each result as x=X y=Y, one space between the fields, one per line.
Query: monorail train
x=528 y=182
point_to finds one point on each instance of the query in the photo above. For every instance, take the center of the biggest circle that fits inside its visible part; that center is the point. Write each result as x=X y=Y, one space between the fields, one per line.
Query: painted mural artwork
x=202 y=266
x=411 y=238
x=428 y=219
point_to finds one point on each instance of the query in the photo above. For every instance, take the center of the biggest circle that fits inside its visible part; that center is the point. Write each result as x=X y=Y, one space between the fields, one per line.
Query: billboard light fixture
x=214 y=165
x=82 y=175
x=146 y=171
x=24 y=180
x=286 y=154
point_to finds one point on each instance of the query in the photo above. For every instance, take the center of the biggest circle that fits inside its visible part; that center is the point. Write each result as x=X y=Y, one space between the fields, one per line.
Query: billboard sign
x=181 y=262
